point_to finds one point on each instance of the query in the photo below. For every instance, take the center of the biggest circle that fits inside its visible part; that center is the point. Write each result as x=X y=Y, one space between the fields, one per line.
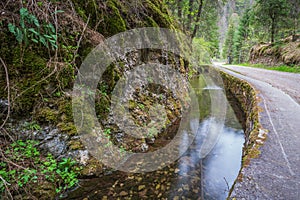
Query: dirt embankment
x=283 y=52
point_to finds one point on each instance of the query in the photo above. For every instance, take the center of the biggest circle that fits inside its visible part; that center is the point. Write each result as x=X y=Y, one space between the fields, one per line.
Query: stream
x=191 y=176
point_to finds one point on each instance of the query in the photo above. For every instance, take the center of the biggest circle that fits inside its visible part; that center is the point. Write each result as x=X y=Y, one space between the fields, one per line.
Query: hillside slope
x=42 y=47
x=283 y=52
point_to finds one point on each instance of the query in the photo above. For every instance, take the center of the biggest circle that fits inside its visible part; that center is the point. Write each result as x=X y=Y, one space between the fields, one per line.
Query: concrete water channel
x=190 y=177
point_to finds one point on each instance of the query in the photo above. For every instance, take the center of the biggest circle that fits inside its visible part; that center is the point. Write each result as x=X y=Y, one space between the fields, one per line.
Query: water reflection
x=221 y=166
x=217 y=171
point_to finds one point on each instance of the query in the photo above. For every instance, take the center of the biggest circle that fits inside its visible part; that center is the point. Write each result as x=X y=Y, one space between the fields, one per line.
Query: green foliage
x=152 y=132
x=107 y=132
x=141 y=106
x=122 y=150
x=228 y=45
x=35 y=168
x=69 y=50
x=30 y=29
x=202 y=51
x=33 y=126
x=241 y=40
x=270 y=16
x=186 y=12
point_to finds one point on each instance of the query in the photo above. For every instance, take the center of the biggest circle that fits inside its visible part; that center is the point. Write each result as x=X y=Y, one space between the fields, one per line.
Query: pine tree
x=241 y=45
x=270 y=14
x=228 y=45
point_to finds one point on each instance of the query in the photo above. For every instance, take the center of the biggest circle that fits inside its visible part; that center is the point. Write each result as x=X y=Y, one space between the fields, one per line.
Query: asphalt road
x=275 y=174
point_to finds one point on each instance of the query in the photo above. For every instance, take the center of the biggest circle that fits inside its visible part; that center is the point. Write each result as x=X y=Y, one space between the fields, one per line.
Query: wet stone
x=141 y=187
x=123 y=193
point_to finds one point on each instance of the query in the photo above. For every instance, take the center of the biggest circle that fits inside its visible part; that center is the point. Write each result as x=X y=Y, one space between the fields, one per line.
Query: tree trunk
x=179 y=10
x=273 y=30
x=189 y=22
x=197 y=19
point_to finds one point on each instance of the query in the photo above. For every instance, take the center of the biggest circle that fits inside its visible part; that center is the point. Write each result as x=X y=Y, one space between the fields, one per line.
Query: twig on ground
x=228 y=188
x=8 y=93
x=6 y=186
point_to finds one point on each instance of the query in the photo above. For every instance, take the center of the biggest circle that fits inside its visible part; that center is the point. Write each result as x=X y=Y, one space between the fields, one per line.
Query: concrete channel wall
x=247 y=100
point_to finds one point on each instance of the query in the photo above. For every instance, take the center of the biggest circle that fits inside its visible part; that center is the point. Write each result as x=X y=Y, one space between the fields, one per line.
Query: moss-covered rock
x=68 y=128
x=113 y=21
x=76 y=145
x=44 y=191
x=47 y=115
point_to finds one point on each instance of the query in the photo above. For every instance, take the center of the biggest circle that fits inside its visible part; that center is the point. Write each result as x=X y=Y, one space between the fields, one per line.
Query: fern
x=30 y=29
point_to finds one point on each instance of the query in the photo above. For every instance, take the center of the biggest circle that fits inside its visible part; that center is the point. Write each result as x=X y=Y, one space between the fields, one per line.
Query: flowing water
x=191 y=177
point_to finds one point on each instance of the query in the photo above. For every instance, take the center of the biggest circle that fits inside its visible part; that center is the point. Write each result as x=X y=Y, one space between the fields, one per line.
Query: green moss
x=88 y=8
x=26 y=72
x=28 y=62
x=65 y=77
x=102 y=105
x=47 y=115
x=65 y=110
x=132 y=104
x=76 y=145
x=113 y=21
x=68 y=128
x=44 y=190
x=157 y=15
x=93 y=167
x=108 y=78
x=150 y=22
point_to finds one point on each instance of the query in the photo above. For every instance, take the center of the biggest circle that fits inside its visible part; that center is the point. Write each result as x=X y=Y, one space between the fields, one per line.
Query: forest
x=232 y=28
x=43 y=45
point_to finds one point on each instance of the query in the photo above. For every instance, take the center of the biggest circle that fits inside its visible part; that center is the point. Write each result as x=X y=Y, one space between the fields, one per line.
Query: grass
x=282 y=68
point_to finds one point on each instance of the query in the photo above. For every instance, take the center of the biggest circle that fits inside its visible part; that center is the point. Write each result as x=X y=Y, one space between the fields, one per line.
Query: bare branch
x=8 y=93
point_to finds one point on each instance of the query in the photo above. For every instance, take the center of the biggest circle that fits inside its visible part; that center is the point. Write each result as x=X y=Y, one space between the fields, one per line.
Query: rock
x=141 y=187
x=45 y=190
x=92 y=168
x=119 y=136
x=144 y=147
x=143 y=193
x=3 y=105
x=176 y=198
x=81 y=156
x=157 y=187
x=55 y=146
x=186 y=187
x=52 y=134
x=123 y=193
x=139 y=179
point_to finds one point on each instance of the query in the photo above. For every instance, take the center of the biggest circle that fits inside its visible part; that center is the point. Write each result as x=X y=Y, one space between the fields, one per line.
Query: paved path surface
x=276 y=173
